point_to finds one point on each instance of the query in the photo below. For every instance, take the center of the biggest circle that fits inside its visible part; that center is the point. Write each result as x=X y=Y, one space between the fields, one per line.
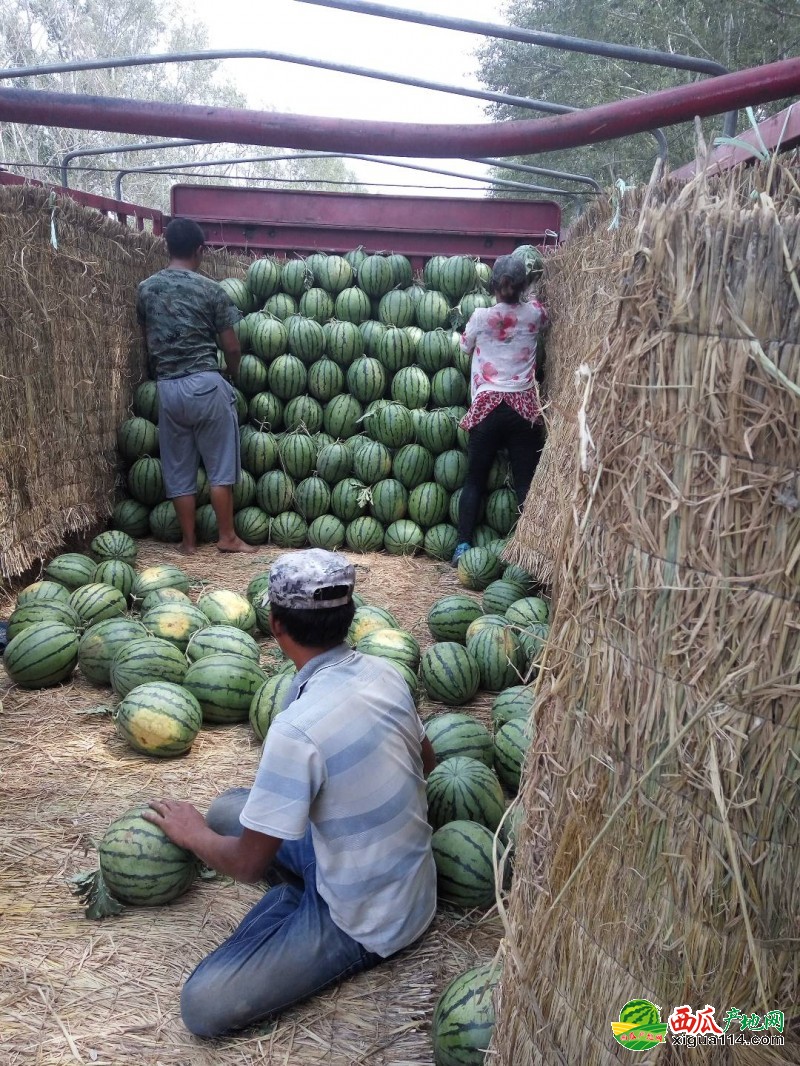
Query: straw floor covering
x=75 y=991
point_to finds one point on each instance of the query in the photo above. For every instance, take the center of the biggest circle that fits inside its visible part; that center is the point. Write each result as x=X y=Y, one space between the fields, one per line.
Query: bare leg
x=222 y=502
x=185 y=510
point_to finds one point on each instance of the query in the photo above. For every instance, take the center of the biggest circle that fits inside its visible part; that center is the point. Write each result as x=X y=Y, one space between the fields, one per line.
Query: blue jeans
x=287 y=948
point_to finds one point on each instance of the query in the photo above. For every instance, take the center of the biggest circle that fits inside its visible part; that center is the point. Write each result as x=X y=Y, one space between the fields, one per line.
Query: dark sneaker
x=459 y=552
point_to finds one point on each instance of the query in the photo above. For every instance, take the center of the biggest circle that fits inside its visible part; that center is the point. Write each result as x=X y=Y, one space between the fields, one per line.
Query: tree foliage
x=38 y=32
x=735 y=33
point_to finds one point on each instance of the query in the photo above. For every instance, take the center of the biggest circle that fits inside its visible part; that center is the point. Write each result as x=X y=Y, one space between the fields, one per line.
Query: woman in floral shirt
x=505 y=411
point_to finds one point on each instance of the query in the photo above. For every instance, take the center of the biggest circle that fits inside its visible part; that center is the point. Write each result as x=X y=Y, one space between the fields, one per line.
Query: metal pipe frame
x=499 y=182
x=81 y=153
x=605 y=122
x=115 y=62
x=650 y=56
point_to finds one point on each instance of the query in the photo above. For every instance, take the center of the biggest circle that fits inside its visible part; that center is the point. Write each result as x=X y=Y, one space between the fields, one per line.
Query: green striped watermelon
x=498 y=655
x=117 y=573
x=372 y=462
x=402 y=271
x=464 y=852
x=312 y=498
x=268 y=702
x=364 y=534
x=224 y=686
x=96 y=602
x=42 y=611
x=263 y=278
x=521 y=577
x=391 y=425
x=441 y=541
x=326 y=532
x=367 y=619
x=269 y=337
x=527 y=610
x=296 y=276
x=434 y=352
x=165 y=595
x=389 y=501
x=244 y=491
x=375 y=275
x=448 y=387
x=317 y=306
x=287 y=377
x=449 y=617
x=289 y=530
x=449 y=673
x=159 y=577
x=396 y=309
x=43 y=591
x=372 y=333
x=456 y=733
x=334 y=463
x=275 y=492
x=252 y=525
x=137 y=437
x=145 y=401
x=484 y=621
x=71 y=570
x=391 y=643
x=146 y=481
x=349 y=499
x=143 y=660
x=464 y=788
x=403 y=537
x=205 y=523
x=427 y=504
x=164 y=524
x=433 y=311
x=99 y=645
x=450 y=469
x=140 y=866
x=333 y=273
x=412 y=465
x=464 y=1018
x=352 y=305
x=239 y=294
x=298 y=454
x=514 y=702
x=396 y=349
x=366 y=379
x=251 y=377
x=458 y=277
x=477 y=568
x=411 y=387
x=281 y=305
x=228 y=608
x=340 y=417
x=220 y=640
x=436 y=431
x=175 y=622
x=43 y=654
x=499 y=595
x=159 y=719
x=511 y=743
x=131 y=517
x=305 y=413
x=325 y=380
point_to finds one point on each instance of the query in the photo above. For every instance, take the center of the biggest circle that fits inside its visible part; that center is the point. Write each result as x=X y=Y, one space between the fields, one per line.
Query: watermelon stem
x=101 y=709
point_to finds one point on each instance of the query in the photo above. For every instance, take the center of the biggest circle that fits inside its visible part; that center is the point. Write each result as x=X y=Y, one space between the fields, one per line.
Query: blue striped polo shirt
x=345 y=755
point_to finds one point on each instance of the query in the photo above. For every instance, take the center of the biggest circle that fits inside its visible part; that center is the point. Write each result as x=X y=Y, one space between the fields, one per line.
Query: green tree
x=735 y=33
x=37 y=32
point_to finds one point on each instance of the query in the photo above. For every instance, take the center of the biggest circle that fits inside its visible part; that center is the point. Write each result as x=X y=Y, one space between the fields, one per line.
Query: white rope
x=585 y=373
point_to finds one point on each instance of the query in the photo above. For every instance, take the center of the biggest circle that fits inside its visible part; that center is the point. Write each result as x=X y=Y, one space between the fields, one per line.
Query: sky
x=301 y=29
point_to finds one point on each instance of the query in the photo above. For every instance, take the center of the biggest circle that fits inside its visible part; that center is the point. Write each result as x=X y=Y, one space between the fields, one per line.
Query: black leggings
x=502 y=428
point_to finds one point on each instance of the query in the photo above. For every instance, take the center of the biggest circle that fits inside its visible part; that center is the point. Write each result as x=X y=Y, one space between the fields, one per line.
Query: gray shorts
x=197 y=420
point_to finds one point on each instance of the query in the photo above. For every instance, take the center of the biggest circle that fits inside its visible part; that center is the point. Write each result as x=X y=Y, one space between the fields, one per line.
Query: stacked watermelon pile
x=349 y=396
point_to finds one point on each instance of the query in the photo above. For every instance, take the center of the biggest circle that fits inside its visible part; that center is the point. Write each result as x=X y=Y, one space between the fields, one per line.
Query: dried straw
x=667 y=865
x=107 y=993
x=70 y=355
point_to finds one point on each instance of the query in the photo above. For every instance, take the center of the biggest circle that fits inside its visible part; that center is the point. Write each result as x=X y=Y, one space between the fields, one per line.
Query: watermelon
x=389 y=501
x=219 y=640
x=228 y=608
x=391 y=643
x=464 y=852
x=527 y=610
x=298 y=454
x=42 y=611
x=137 y=437
x=280 y=305
x=441 y=541
x=131 y=517
x=71 y=570
x=369 y=618
x=340 y=417
x=146 y=481
x=252 y=525
x=514 y=702
x=224 y=686
x=251 y=377
x=99 y=645
x=464 y=788
x=312 y=498
x=483 y=621
x=159 y=719
x=159 y=577
x=402 y=272
x=450 y=469
x=317 y=306
x=140 y=866
x=502 y=510
x=499 y=595
x=296 y=277
x=511 y=743
x=268 y=701
x=449 y=618
x=43 y=592
x=287 y=377
x=333 y=273
x=412 y=465
x=145 y=401
x=42 y=654
x=334 y=463
x=448 y=387
x=403 y=537
x=449 y=673
x=364 y=534
x=392 y=425
x=427 y=504
x=114 y=544
x=396 y=348
x=464 y=1018
x=372 y=333
x=143 y=660
x=263 y=278
x=366 y=379
x=433 y=311
x=433 y=271
x=349 y=499
x=326 y=532
x=458 y=277
x=375 y=275
x=455 y=733
x=477 y=568
x=166 y=595
x=640 y=1012
x=372 y=462
x=239 y=294
x=521 y=577
x=275 y=492
x=289 y=530
x=96 y=602
x=353 y=306
x=175 y=622
x=396 y=309
x=411 y=387
x=269 y=337
x=164 y=524
x=436 y=431
x=434 y=352
x=498 y=655
x=325 y=380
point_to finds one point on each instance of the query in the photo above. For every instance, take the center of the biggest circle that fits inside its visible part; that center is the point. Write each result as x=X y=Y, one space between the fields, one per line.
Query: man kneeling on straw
x=337 y=811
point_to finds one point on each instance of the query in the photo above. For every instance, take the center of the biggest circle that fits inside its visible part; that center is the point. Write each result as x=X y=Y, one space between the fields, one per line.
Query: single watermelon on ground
x=159 y=719
x=464 y=852
x=456 y=733
x=449 y=673
x=464 y=788
x=464 y=1018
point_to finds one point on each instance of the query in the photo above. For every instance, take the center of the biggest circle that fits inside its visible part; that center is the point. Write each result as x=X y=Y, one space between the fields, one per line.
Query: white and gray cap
x=306 y=580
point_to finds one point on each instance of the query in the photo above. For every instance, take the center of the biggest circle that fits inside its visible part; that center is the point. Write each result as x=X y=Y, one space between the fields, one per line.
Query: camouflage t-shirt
x=182 y=313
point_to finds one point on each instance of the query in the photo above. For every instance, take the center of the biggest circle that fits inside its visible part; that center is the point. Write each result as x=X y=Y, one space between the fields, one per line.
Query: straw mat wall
x=668 y=716
x=69 y=356
x=579 y=291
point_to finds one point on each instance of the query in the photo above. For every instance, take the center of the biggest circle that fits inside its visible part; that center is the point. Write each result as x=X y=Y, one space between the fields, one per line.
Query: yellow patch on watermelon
x=152 y=729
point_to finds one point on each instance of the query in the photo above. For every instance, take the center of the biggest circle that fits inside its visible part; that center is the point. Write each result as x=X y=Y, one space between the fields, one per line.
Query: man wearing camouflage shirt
x=184 y=316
